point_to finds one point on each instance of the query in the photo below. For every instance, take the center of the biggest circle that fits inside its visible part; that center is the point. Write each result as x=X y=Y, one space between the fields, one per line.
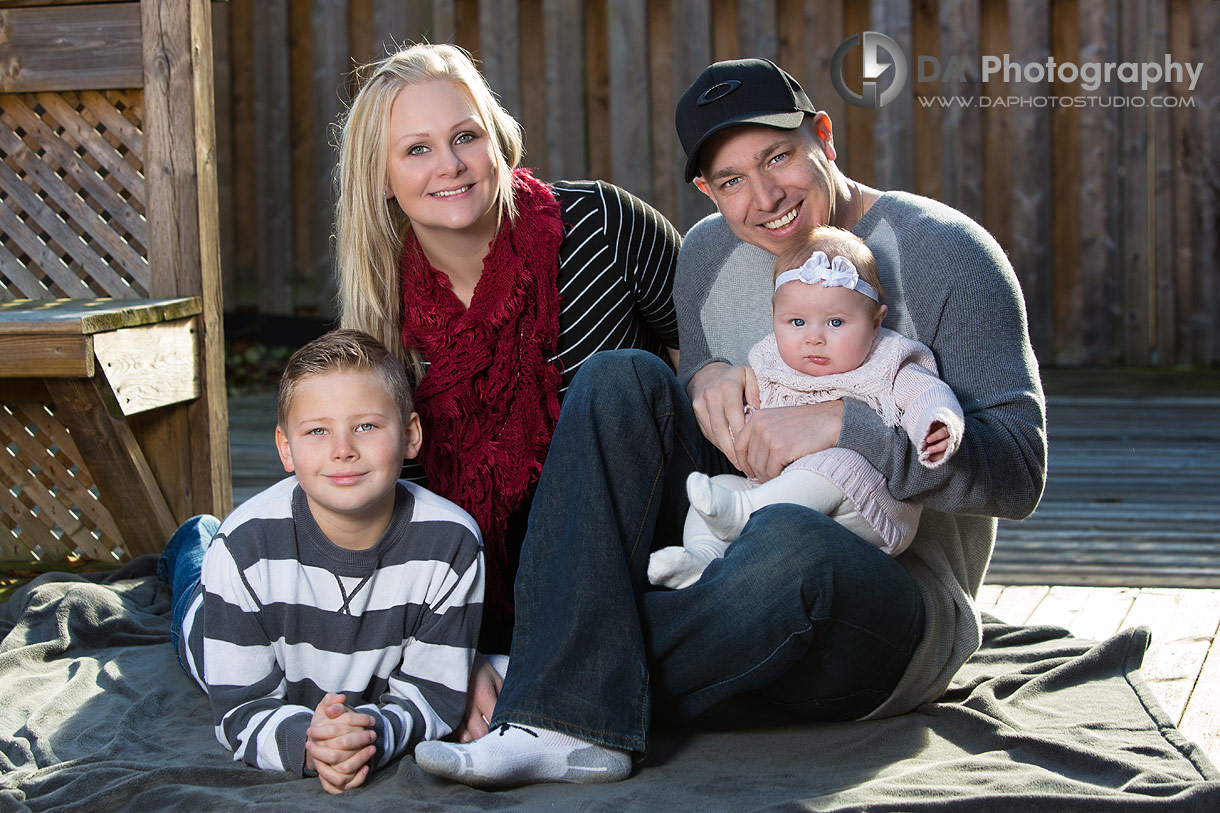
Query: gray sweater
x=948 y=285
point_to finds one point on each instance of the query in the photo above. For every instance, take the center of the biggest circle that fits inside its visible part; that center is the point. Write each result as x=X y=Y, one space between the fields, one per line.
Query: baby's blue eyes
x=835 y=323
x=798 y=322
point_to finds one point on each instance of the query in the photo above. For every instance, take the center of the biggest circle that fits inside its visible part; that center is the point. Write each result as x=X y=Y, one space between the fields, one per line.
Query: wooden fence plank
x=629 y=133
x=273 y=157
x=858 y=137
x=1162 y=313
x=1030 y=239
x=661 y=97
x=500 y=51
x=566 y=131
x=535 y=100
x=1098 y=196
x=244 y=271
x=929 y=155
x=756 y=34
x=1205 y=144
x=444 y=26
x=692 y=53
x=303 y=145
x=894 y=123
x=61 y=48
x=997 y=165
x=726 y=43
x=330 y=72
x=222 y=38
x=962 y=126
x=1182 y=182
x=1135 y=191
x=1069 y=299
x=597 y=88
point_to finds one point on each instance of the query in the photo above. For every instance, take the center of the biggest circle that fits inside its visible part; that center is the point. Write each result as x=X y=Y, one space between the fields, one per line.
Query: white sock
x=681 y=567
x=518 y=755
x=724 y=510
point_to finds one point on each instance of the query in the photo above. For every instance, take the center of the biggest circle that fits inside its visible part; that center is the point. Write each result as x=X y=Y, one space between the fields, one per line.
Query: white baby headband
x=836 y=273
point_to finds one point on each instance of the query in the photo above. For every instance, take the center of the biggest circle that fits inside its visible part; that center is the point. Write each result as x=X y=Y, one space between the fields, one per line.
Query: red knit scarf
x=489 y=400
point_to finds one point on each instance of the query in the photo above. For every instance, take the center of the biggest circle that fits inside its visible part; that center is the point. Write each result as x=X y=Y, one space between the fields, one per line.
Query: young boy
x=333 y=618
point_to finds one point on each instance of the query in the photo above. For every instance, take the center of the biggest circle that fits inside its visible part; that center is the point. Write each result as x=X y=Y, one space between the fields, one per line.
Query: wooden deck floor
x=1128 y=531
x=1182 y=665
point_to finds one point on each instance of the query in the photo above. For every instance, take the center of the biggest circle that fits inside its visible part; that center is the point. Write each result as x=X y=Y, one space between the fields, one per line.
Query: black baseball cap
x=738 y=91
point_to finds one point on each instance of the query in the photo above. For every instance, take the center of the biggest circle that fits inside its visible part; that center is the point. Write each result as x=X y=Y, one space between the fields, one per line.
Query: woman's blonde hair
x=370 y=228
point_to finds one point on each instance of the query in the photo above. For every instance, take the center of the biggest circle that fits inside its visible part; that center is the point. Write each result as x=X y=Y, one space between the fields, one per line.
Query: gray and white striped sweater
x=282 y=616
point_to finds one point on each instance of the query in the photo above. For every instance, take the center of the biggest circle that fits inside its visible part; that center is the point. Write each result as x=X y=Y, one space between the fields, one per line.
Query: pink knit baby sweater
x=899 y=381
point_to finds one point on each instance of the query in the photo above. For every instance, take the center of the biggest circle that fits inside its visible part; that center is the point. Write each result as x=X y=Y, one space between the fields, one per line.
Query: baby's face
x=822 y=331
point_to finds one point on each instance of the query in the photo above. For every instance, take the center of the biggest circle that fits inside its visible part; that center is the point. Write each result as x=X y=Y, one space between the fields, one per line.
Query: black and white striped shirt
x=616 y=273
x=283 y=616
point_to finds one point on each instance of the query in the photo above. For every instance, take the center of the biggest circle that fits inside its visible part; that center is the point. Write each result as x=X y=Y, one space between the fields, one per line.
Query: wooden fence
x=1109 y=209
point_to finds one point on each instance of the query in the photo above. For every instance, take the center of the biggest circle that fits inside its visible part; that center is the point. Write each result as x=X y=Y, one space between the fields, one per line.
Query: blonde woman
x=493 y=286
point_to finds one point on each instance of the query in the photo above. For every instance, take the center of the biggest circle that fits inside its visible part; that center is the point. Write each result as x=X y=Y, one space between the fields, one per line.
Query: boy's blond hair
x=344 y=350
x=835 y=242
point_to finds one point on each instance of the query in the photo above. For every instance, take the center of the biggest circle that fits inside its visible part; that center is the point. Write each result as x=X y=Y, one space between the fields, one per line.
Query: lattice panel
x=72 y=195
x=54 y=511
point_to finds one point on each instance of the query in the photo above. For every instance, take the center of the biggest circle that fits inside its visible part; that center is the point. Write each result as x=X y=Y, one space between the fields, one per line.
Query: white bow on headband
x=837 y=273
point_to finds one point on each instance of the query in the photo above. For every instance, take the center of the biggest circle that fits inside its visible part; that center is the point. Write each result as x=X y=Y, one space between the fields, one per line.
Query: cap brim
x=784 y=120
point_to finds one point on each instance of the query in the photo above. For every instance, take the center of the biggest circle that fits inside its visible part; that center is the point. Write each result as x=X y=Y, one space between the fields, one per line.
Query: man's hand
x=339 y=745
x=481 y=696
x=719 y=393
x=775 y=437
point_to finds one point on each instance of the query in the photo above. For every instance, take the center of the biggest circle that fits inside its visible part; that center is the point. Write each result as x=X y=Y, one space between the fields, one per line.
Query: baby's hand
x=936 y=443
x=339 y=745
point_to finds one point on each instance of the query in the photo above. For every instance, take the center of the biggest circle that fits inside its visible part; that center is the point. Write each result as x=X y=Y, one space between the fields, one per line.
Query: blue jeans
x=820 y=621
x=180 y=565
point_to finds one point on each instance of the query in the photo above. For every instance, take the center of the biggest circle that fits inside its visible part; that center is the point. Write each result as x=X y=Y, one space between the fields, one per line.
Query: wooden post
x=184 y=251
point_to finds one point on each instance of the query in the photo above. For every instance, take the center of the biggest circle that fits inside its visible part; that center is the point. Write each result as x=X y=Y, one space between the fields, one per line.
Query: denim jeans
x=800 y=608
x=180 y=565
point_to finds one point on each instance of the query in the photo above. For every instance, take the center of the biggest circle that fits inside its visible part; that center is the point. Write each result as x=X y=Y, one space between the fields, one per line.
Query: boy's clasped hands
x=340 y=744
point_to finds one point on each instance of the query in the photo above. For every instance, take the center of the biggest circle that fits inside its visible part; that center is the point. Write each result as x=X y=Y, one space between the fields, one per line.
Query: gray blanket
x=95 y=715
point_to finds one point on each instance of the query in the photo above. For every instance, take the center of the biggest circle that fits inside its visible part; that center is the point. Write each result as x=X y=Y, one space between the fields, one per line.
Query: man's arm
x=980 y=339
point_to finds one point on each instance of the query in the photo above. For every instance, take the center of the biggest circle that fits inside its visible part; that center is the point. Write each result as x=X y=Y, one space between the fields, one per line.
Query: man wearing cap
x=799 y=610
